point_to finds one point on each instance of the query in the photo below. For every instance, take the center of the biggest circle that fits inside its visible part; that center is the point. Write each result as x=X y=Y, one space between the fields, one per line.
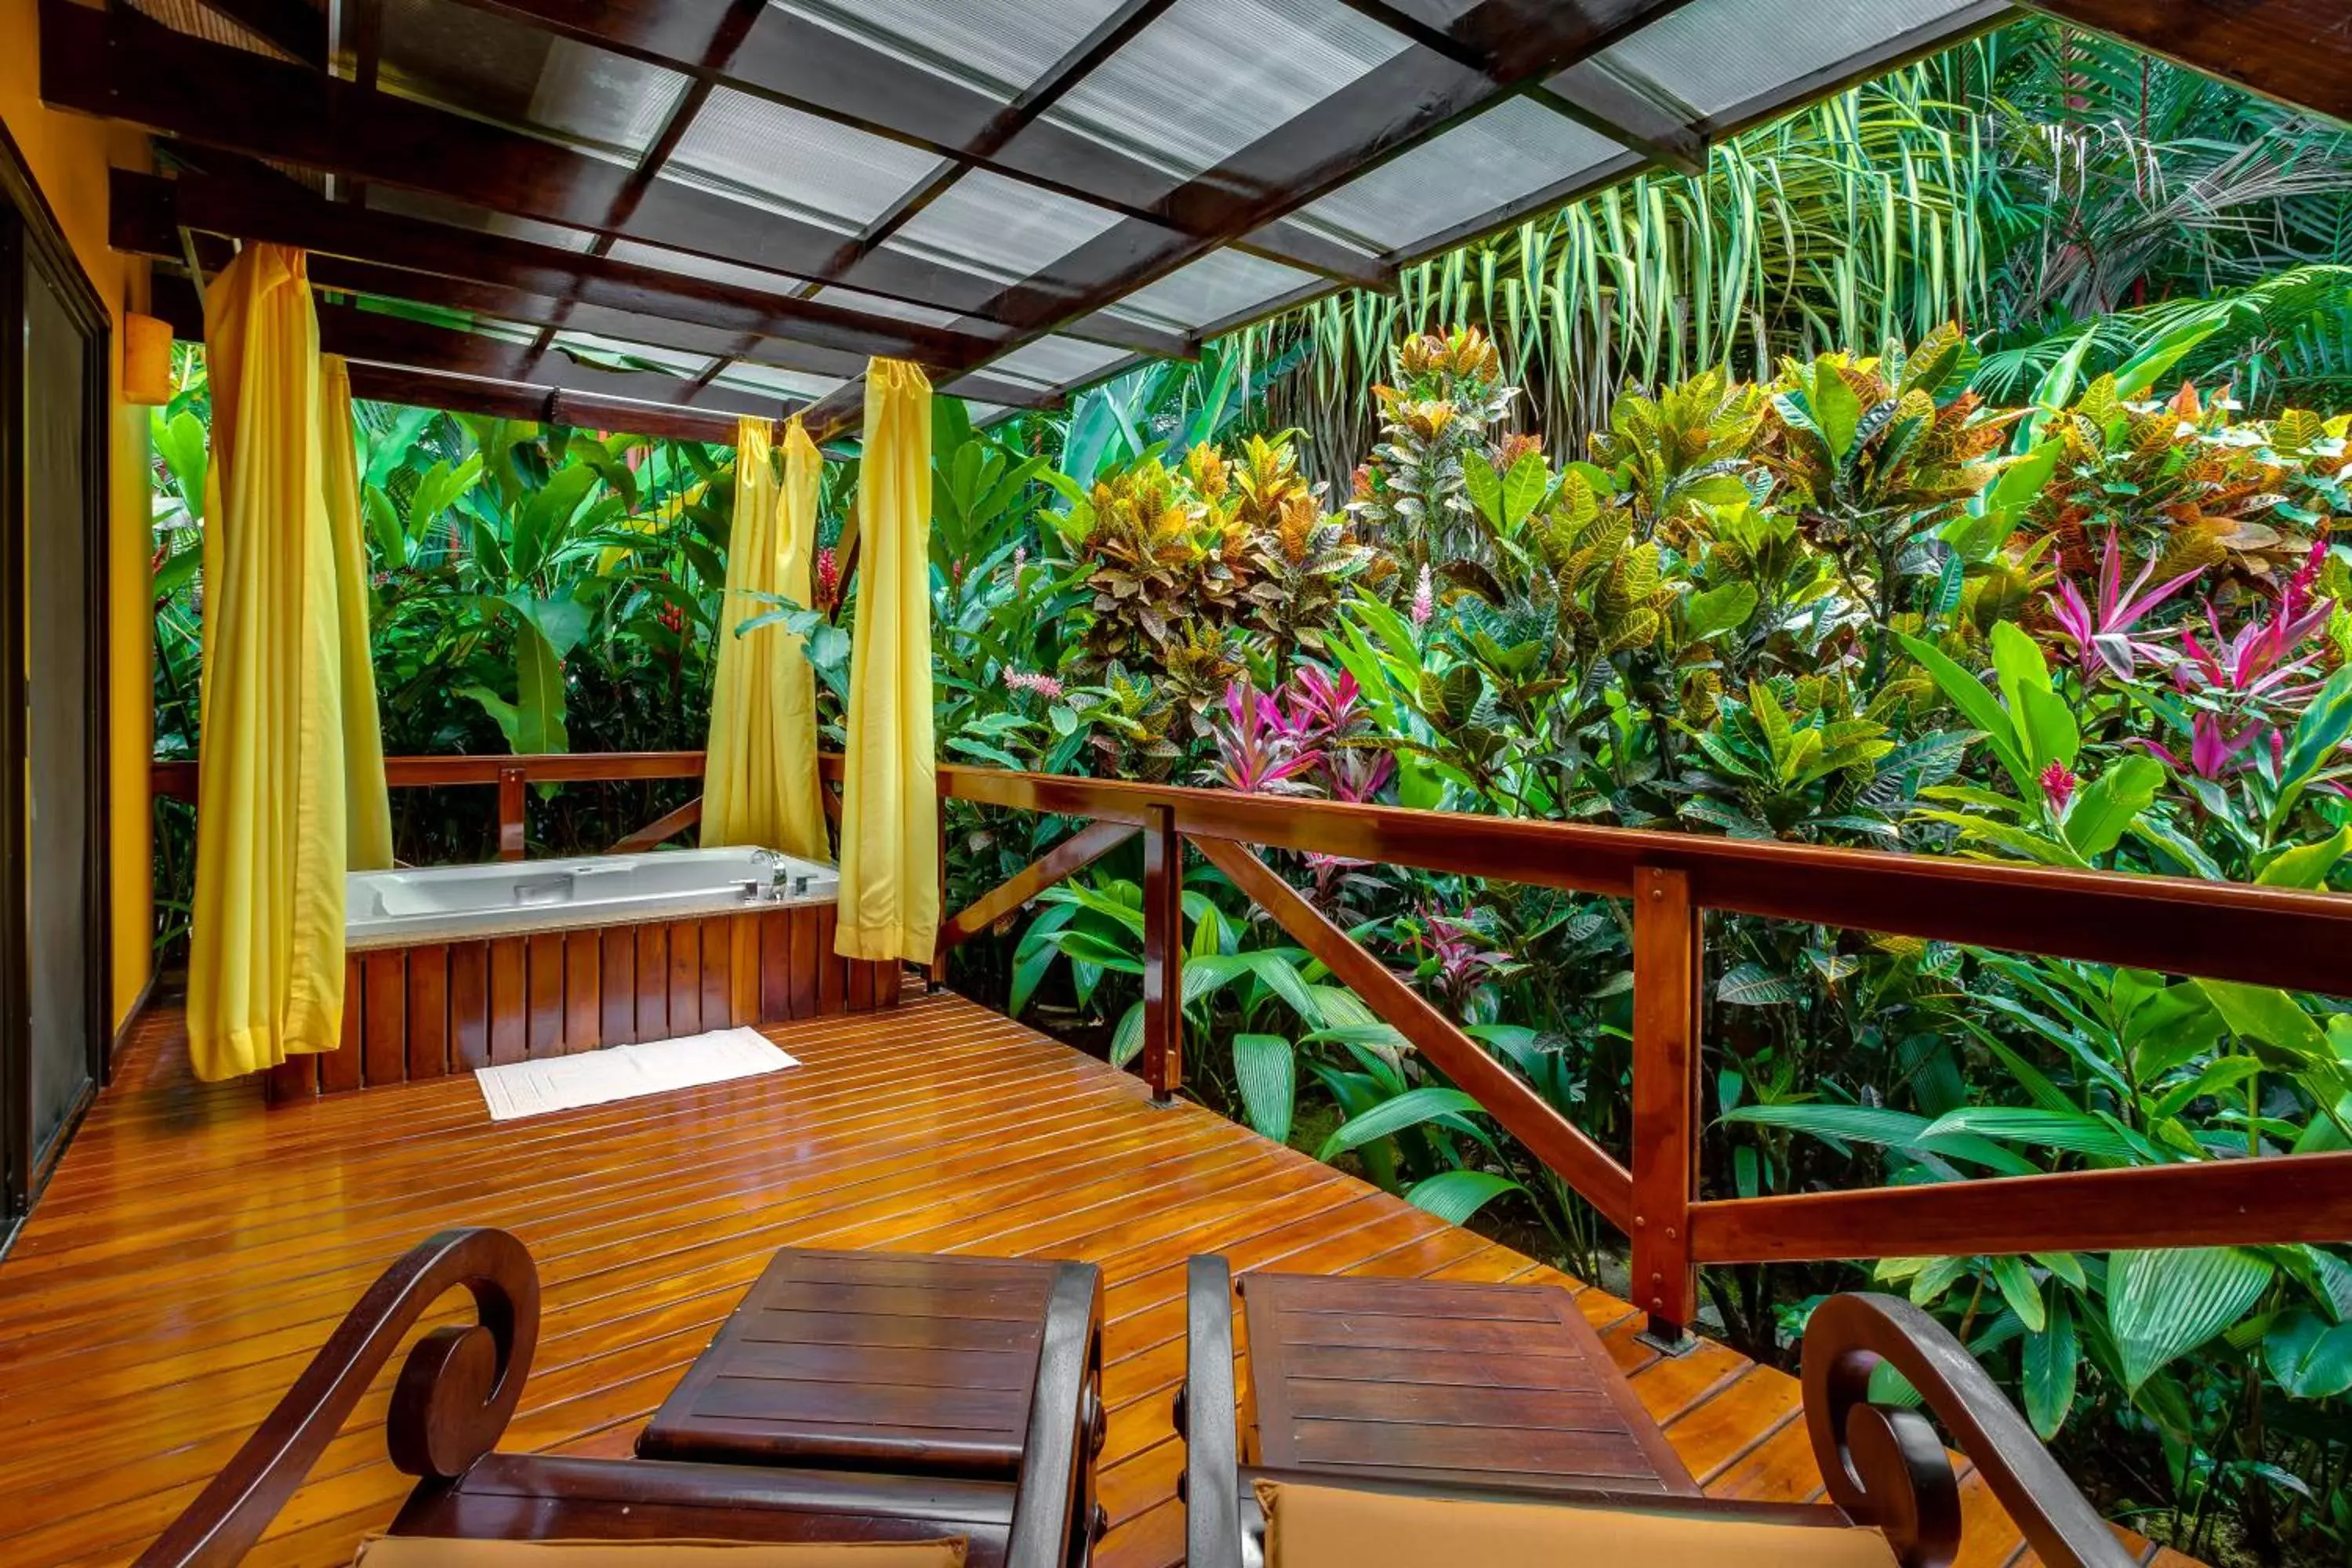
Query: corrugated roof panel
x=1057 y=362
x=1002 y=228
x=1716 y=55
x=1211 y=76
x=1222 y=284
x=1512 y=151
x=496 y=68
x=762 y=152
x=997 y=47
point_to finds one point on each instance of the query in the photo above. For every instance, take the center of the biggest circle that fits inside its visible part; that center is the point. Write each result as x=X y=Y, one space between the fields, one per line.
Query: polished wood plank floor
x=194 y=1248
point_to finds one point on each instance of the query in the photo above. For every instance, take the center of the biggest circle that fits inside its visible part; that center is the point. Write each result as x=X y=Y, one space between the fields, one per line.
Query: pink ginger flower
x=2058 y=786
x=1424 y=599
x=828 y=578
x=1035 y=681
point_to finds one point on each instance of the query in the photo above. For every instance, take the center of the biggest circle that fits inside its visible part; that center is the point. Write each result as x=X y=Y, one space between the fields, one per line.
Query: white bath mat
x=518 y=1090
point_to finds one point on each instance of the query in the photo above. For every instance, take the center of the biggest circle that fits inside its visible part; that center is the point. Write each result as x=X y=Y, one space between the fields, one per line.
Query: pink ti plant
x=1465 y=959
x=2105 y=636
x=2250 y=685
x=1261 y=750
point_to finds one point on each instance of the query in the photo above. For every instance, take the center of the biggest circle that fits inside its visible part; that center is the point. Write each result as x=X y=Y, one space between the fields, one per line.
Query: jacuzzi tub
x=445 y=903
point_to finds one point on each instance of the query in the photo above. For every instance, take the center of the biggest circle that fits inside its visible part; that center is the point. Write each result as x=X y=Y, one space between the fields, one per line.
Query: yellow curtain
x=367 y=803
x=889 y=800
x=266 y=969
x=759 y=780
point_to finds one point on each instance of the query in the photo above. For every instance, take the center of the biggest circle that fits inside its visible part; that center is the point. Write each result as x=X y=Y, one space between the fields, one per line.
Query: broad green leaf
x=2163 y=1304
x=1484 y=487
x=1282 y=977
x=1523 y=488
x=1968 y=693
x=2015 y=1282
x=1751 y=985
x=1126 y=1040
x=2271 y=1023
x=2111 y=802
x=1837 y=410
x=2073 y=1131
x=2045 y=726
x=2051 y=1364
x=2318 y=733
x=1455 y=1196
x=1266 y=1069
x=2307 y=865
x=1411 y=1109
x=2311 y=1358
x=1718 y=610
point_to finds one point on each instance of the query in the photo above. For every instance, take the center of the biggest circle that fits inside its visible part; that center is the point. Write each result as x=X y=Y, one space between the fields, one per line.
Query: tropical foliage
x=1690 y=510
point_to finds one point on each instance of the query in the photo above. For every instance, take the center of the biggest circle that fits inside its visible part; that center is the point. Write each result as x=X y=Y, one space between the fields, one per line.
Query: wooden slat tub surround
x=434 y=1008
x=194 y=1247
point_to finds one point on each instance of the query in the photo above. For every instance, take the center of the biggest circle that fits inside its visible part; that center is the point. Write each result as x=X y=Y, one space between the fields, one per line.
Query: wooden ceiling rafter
x=121 y=64
x=140 y=227
x=247 y=209
x=294 y=27
x=819 y=70
x=1415 y=97
x=2297 y=51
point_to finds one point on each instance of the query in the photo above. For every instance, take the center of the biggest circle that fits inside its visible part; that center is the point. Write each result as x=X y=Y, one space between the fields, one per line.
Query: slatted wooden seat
x=460 y=1385
x=1480 y=1393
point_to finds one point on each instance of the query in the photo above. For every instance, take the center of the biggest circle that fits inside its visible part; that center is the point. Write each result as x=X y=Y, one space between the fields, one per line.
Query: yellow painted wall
x=68 y=156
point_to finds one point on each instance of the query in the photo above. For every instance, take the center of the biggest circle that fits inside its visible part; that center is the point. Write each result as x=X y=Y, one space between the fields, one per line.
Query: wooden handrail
x=2265 y=936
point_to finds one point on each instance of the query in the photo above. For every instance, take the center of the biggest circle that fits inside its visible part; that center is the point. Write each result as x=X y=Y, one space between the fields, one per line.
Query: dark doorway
x=53 y=936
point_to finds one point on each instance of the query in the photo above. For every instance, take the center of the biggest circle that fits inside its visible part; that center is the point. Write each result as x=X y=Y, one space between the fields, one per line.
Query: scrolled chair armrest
x=456 y=1391
x=1887 y=1467
x=1205 y=1419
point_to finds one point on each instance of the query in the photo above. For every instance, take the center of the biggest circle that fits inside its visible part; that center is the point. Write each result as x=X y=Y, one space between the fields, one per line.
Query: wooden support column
x=1669 y=965
x=1163 y=954
x=510 y=813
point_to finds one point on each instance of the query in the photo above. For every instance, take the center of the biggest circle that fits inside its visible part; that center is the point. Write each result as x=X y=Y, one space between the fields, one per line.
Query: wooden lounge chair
x=1338 y=1497
x=460 y=1386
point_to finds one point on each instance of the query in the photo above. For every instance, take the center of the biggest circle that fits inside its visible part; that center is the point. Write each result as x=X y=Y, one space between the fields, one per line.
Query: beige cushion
x=427 y=1551
x=1329 y=1526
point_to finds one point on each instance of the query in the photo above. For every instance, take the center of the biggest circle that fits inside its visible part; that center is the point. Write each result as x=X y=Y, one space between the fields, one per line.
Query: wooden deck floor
x=193 y=1249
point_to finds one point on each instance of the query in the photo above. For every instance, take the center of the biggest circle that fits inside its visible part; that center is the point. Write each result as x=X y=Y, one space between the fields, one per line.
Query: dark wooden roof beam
x=1417 y=95
x=2297 y=51
x=1631 y=111
x=293 y=26
x=121 y=64
x=144 y=207
x=791 y=60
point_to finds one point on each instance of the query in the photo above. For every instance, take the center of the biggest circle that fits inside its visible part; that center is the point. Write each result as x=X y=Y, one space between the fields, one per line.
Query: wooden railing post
x=1668 y=969
x=511 y=806
x=1163 y=954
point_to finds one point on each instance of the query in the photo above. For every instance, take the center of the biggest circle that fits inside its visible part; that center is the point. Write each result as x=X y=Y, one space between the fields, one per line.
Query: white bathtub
x=440 y=904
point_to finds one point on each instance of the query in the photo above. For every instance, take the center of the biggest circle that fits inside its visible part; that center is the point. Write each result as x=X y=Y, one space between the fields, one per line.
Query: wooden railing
x=2297 y=941
x=512 y=776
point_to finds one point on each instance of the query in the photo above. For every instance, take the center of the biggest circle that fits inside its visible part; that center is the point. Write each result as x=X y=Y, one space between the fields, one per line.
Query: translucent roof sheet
x=1004 y=228
x=1512 y=151
x=760 y=152
x=642 y=356
x=495 y=67
x=996 y=47
x=766 y=381
x=1211 y=77
x=876 y=305
x=1057 y=362
x=1715 y=55
x=1006 y=242
x=698 y=265
x=1221 y=284
x=464 y=215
